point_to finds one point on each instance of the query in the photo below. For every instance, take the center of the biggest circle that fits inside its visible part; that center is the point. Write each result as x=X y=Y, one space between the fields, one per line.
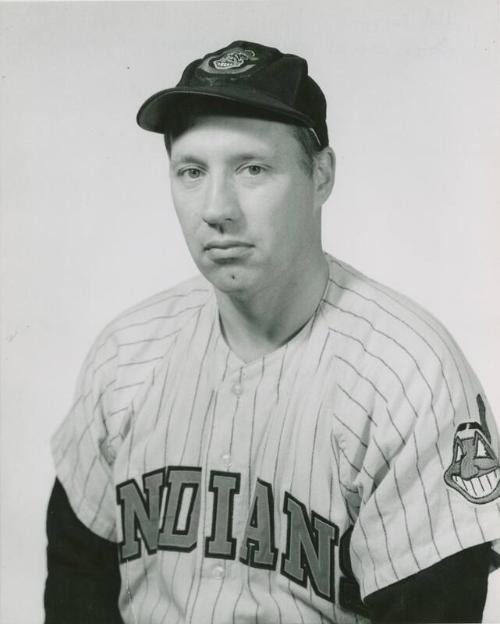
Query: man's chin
x=228 y=278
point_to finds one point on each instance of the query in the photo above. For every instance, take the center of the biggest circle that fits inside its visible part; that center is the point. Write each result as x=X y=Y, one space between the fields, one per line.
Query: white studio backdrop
x=87 y=223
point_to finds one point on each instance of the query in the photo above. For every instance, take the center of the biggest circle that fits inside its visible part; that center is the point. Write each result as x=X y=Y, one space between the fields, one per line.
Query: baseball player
x=280 y=439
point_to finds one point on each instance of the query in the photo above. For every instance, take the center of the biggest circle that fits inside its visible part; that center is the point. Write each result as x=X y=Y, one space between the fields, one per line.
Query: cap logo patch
x=232 y=61
x=474 y=470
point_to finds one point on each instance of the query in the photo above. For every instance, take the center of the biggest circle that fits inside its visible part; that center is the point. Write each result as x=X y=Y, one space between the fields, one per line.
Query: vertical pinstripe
x=405 y=516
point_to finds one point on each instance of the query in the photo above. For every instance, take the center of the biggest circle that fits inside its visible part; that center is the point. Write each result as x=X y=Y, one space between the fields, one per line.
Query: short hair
x=193 y=107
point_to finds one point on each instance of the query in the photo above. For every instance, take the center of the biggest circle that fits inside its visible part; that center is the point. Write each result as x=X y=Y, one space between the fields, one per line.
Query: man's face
x=248 y=208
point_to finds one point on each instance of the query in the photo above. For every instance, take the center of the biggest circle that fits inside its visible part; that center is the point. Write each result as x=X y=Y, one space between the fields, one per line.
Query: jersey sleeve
x=430 y=480
x=83 y=448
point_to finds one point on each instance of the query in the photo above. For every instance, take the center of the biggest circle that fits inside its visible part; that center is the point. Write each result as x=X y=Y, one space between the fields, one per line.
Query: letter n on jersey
x=140 y=513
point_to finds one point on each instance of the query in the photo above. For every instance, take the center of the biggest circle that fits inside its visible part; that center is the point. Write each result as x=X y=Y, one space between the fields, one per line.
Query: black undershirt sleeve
x=83 y=579
x=452 y=590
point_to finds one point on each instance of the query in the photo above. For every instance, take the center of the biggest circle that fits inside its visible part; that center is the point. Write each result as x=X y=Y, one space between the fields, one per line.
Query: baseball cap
x=249 y=73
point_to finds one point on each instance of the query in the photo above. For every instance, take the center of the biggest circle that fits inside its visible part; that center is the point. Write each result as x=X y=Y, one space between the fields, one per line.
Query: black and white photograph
x=250 y=312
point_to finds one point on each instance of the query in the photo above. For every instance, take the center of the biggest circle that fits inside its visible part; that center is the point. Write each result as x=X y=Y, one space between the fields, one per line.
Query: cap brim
x=158 y=112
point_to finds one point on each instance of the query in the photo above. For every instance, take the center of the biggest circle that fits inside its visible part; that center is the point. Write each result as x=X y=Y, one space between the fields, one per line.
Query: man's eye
x=254 y=170
x=191 y=173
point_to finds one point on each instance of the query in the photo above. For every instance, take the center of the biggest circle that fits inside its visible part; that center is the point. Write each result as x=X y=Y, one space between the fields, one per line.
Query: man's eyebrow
x=186 y=158
x=235 y=158
x=264 y=152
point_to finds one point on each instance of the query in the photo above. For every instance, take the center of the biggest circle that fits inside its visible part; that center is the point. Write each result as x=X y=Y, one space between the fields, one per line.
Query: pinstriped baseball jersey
x=359 y=453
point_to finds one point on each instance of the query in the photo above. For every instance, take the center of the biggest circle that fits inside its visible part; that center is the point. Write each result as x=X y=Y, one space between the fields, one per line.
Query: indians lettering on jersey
x=474 y=470
x=310 y=544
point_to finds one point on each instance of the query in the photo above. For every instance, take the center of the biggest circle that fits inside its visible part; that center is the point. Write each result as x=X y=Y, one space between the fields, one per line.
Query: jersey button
x=109 y=453
x=237 y=389
x=226 y=460
x=218 y=572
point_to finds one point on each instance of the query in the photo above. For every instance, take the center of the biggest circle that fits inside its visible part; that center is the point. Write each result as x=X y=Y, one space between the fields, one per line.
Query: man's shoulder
x=381 y=303
x=160 y=313
x=382 y=321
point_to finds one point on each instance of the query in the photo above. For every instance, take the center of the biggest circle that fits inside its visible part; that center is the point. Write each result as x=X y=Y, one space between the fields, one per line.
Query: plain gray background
x=87 y=223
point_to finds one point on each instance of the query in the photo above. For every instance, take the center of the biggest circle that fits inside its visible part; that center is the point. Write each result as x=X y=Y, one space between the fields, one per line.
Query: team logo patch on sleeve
x=233 y=61
x=474 y=471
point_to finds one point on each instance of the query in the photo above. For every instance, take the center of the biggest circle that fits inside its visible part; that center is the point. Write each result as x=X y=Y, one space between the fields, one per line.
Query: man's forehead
x=235 y=121
x=219 y=130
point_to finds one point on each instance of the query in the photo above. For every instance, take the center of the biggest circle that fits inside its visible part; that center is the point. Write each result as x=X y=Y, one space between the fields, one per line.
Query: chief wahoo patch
x=233 y=61
x=474 y=470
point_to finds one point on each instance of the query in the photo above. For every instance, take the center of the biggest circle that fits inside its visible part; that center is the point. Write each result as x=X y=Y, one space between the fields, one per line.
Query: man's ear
x=324 y=174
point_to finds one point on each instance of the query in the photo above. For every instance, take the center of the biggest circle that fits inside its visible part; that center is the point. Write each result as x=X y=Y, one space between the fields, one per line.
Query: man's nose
x=221 y=202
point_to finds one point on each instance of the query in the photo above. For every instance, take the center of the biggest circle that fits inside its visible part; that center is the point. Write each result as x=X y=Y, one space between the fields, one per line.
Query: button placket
x=237 y=386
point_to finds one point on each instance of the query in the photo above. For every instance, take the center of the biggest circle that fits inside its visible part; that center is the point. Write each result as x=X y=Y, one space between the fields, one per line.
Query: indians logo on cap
x=474 y=470
x=233 y=61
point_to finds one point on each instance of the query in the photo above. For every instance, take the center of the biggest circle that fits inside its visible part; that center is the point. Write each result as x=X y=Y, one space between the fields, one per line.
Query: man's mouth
x=226 y=244
x=226 y=249
x=478 y=487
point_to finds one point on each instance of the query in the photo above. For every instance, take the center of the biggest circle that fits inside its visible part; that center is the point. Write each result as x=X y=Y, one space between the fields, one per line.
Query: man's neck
x=257 y=324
